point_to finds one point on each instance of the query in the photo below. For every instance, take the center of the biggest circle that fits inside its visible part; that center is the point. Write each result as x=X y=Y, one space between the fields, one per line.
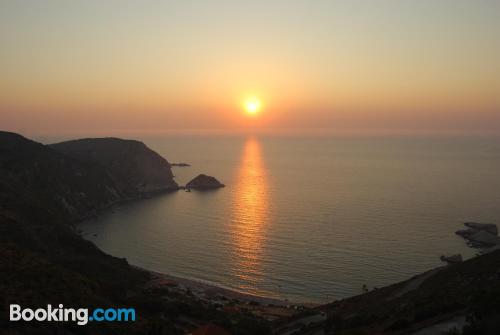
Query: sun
x=252 y=105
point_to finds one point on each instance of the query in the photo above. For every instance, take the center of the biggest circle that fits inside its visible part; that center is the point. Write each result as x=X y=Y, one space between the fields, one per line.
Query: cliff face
x=135 y=169
x=47 y=184
x=42 y=190
x=42 y=259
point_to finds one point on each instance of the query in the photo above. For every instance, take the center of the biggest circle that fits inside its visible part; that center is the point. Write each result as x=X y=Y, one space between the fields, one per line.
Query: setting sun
x=252 y=105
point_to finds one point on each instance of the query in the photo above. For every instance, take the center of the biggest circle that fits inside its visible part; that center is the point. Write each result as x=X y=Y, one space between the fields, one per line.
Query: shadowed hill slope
x=38 y=182
x=471 y=288
x=42 y=260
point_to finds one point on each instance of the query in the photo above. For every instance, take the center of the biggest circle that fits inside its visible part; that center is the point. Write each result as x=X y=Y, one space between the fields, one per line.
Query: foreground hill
x=462 y=298
x=466 y=293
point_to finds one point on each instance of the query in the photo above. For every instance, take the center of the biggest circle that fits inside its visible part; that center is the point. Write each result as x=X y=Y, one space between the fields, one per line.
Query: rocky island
x=204 y=182
x=180 y=164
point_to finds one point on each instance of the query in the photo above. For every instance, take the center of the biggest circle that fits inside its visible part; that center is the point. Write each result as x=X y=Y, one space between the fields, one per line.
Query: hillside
x=466 y=293
x=38 y=182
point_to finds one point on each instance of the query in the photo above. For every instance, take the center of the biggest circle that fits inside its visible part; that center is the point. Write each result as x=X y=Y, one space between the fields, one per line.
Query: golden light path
x=250 y=217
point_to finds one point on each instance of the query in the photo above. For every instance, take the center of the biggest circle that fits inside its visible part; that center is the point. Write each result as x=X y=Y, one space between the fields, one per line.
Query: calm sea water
x=309 y=220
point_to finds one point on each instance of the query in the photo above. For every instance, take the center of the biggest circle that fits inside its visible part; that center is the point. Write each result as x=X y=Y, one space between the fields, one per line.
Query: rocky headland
x=39 y=182
x=180 y=164
x=135 y=169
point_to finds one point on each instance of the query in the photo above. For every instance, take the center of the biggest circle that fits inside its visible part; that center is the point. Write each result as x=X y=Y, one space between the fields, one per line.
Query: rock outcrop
x=453 y=259
x=480 y=235
x=489 y=227
x=135 y=169
x=204 y=182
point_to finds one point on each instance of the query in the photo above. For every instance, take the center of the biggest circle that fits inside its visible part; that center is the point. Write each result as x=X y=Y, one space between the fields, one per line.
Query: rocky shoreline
x=226 y=299
x=483 y=236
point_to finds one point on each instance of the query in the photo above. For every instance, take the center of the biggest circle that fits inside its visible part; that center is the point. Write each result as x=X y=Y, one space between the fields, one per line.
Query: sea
x=307 y=219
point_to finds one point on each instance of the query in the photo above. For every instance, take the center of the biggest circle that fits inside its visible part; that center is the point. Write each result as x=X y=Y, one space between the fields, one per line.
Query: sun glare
x=252 y=105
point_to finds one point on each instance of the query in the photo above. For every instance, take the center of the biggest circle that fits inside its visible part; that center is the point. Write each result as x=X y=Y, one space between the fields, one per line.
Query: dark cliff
x=42 y=259
x=38 y=182
x=135 y=169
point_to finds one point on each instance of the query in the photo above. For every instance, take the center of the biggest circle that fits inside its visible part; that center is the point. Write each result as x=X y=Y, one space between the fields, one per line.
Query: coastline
x=209 y=291
x=230 y=301
x=109 y=207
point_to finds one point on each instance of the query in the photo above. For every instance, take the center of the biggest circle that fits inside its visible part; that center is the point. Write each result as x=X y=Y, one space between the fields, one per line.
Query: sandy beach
x=228 y=300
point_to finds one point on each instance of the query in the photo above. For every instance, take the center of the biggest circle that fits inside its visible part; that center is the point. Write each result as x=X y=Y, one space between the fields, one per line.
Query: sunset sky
x=368 y=67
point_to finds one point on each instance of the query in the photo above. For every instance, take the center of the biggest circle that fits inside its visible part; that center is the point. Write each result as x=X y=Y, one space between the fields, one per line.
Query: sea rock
x=204 y=182
x=180 y=164
x=466 y=232
x=480 y=235
x=453 y=259
x=489 y=227
x=490 y=249
x=483 y=237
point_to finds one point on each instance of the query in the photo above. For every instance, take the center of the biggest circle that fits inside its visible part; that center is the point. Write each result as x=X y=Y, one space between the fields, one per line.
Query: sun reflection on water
x=250 y=217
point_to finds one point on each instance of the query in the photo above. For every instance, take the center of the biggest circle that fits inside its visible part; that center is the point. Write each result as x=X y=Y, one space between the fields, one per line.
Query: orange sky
x=363 y=67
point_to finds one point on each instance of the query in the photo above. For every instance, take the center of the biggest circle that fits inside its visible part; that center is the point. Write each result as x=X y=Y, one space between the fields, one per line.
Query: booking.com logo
x=81 y=315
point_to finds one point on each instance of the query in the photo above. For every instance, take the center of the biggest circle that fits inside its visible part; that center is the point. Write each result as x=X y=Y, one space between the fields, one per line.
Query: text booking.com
x=81 y=316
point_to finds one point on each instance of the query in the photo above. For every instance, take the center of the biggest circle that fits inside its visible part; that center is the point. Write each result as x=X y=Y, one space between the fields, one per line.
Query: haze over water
x=308 y=219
